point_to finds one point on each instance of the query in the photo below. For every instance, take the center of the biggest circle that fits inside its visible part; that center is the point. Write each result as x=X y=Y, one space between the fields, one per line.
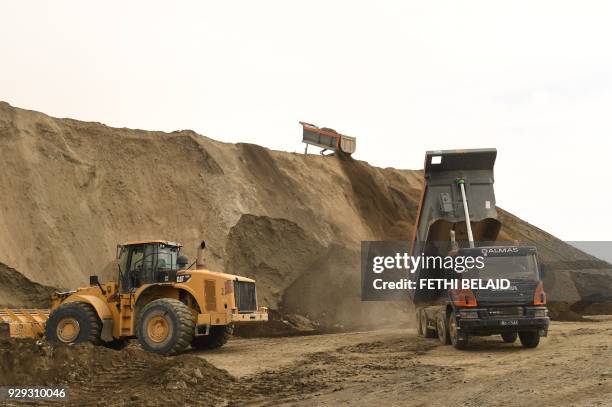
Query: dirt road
x=573 y=366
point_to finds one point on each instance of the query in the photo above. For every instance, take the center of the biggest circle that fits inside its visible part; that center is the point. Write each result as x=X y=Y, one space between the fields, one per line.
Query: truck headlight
x=540 y=313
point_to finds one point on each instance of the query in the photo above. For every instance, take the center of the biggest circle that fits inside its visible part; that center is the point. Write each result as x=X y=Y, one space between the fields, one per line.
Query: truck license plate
x=509 y=322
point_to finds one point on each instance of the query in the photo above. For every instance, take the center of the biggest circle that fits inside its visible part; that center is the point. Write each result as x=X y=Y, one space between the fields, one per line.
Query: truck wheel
x=529 y=339
x=509 y=337
x=166 y=326
x=428 y=333
x=217 y=337
x=73 y=322
x=418 y=323
x=456 y=341
x=442 y=324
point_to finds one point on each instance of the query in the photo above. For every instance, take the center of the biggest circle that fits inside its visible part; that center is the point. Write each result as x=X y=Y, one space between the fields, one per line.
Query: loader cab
x=148 y=262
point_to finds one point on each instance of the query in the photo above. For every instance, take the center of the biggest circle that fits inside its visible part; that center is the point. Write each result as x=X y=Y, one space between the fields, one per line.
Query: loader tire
x=218 y=336
x=165 y=326
x=73 y=322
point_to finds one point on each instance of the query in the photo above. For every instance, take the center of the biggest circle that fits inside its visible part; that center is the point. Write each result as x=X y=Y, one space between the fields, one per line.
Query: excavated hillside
x=16 y=290
x=72 y=190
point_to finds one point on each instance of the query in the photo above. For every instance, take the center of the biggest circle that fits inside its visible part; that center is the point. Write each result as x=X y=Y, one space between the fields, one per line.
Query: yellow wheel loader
x=161 y=300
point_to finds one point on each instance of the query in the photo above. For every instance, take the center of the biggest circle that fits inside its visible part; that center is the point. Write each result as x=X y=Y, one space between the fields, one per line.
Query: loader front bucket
x=5 y=332
x=23 y=323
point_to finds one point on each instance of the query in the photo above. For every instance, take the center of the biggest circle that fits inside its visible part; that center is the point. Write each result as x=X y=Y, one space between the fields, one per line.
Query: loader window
x=136 y=259
x=166 y=258
x=148 y=264
x=123 y=259
x=136 y=271
x=147 y=272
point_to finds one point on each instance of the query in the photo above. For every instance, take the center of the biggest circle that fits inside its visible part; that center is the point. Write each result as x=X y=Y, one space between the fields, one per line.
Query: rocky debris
x=91 y=372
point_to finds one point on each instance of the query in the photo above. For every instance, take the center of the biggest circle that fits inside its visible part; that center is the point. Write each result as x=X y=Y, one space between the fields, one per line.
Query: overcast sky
x=531 y=78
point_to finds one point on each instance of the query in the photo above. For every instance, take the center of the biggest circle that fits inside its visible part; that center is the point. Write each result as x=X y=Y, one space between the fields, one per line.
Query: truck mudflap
x=23 y=323
x=490 y=326
x=261 y=315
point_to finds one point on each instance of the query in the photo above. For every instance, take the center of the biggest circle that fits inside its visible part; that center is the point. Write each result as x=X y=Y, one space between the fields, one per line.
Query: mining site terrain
x=72 y=190
x=393 y=367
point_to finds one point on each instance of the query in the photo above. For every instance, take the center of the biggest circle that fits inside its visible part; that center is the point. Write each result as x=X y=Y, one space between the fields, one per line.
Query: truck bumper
x=498 y=325
x=261 y=315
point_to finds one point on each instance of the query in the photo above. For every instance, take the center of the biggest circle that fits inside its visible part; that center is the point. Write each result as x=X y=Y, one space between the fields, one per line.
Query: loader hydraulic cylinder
x=468 y=224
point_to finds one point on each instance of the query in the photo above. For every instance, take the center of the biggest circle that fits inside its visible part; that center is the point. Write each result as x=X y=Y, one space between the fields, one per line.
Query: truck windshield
x=510 y=267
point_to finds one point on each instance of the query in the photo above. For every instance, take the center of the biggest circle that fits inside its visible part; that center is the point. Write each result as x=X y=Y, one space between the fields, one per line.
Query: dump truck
x=327 y=139
x=158 y=298
x=457 y=216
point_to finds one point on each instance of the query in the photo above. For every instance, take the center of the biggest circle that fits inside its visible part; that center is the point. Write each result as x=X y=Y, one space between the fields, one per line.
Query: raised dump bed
x=328 y=139
x=457 y=219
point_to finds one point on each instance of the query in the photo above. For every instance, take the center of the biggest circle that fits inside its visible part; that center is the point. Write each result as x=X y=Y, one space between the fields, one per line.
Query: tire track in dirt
x=571 y=367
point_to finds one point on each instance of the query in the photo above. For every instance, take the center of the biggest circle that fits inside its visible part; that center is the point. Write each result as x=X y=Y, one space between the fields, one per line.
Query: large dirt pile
x=278 y=249
x=89 y=373
x=576 y=283
x=72 y=190
x=17 y=291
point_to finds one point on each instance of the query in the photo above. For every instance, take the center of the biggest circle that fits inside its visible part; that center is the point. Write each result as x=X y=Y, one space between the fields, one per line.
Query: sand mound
x=576 y=283
x=89 y=372
x=388 y=211
x=330 y=294
x=72 y=190
x=273 y=251
x=18 y=291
